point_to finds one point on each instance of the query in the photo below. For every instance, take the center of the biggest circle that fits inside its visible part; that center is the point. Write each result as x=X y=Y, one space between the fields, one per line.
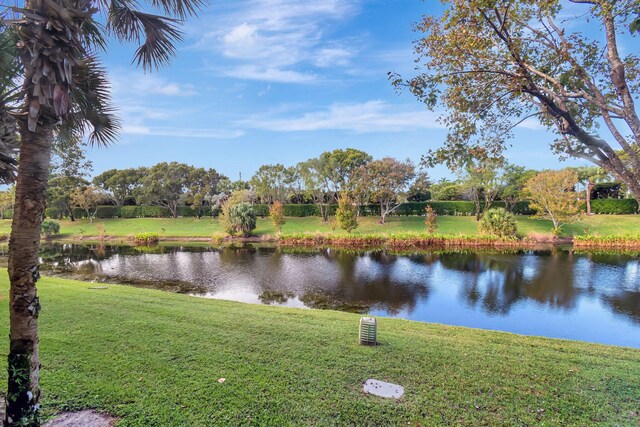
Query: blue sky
x=279 y=81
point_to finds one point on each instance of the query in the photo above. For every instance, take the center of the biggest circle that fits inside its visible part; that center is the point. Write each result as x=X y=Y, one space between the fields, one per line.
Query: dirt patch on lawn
x=86 y=418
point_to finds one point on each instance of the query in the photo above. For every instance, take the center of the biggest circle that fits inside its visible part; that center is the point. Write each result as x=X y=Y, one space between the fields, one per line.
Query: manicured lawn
x=206 y=227
x=154 y=359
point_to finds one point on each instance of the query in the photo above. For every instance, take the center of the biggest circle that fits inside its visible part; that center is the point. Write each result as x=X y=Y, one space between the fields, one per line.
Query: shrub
x=49 y=228
x=614 y=206
x=498 y=222
x=239 y=219
x=276 y=214
x=146 y=238
x=431 y=219
x=347 y=213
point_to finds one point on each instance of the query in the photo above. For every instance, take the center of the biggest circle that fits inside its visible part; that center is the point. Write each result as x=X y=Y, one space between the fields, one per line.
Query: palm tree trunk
x=24 y=365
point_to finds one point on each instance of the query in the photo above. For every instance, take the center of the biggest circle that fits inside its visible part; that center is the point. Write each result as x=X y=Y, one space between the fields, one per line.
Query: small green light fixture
x=368 y=331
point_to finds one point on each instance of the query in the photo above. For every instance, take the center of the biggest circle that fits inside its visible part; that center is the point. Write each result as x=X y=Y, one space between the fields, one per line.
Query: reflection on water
x=591 y=297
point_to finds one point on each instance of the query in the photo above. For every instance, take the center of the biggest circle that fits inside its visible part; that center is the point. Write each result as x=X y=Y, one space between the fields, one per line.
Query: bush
x=498 y=222
x=347 y=213
x=240 y=219
x=276 y=215
x=49 y=228
x=146 y=238
x=431 y=219
x=614 y=206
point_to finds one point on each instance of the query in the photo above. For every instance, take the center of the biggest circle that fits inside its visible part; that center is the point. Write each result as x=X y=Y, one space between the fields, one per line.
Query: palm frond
x=160 y=33
x=92 y=114
x=9 y=90
x=9 y=145
x=179 y=8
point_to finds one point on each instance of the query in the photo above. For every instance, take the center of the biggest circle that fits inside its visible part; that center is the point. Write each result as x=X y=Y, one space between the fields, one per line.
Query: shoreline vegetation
x=139 y=369
x=595 y=232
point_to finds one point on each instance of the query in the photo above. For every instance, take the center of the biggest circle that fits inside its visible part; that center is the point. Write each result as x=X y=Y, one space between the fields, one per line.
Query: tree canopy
x=494 y=64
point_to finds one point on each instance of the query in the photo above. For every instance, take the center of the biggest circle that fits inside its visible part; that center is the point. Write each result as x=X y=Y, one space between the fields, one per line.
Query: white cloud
x=251 y=72
x=331 y=56
x=531 y=124
x=372 y=116
x=131 y=83
x=181 y=132
x=272 y=40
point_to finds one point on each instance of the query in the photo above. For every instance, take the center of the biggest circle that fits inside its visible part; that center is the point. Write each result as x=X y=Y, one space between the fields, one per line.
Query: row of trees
x=320 y=180
x=387 y=182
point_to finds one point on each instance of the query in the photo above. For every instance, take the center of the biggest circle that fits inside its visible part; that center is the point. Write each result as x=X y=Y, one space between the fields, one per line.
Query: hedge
x=445 y=207
x=614 y=206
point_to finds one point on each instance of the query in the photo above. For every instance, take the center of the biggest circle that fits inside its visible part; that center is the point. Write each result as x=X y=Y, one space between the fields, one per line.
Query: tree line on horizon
x=387 y=183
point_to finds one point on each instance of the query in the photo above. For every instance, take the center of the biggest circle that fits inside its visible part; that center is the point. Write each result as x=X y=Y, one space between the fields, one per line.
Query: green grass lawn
x=154 y=359
x=206 y=227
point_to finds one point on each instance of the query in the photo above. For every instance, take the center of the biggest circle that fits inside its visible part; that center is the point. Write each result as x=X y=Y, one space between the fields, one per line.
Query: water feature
x=554 y=293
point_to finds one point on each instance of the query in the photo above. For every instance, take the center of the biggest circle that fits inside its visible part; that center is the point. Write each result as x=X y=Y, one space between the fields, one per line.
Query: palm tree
x=64 y=92
x=9 y=70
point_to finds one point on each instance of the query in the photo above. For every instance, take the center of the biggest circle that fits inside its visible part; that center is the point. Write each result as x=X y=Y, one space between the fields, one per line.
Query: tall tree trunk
x=590 y=186
x=24 y=365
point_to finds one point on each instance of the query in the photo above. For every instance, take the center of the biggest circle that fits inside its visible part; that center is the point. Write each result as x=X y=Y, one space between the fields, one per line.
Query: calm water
x=558 y=294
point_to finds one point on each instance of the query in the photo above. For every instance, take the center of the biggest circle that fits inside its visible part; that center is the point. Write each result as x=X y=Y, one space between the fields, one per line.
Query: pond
x=553 y=293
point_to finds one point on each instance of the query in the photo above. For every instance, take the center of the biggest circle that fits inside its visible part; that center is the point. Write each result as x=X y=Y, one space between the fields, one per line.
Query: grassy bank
x=154 y=359
x=603 y=225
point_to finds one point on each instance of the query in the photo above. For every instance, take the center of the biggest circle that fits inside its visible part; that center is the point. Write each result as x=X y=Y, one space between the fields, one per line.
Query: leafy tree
x=387 y=179
x=313 y=173
x=64 y=92
x=447 y=190
x=430 y=219
x=419 y=189
x=276 y=215
x=59 y=193
x=166 y=184
x=552 y=195
x=588 y=176
x=498 y=222
x=120 y=184
x=6 y=200
x=295 y=185
x=68 y=171
x=494 y=64
x=482 y=181
x=514 y=179
x=270 y=183
x=346 y=213
x=202 y=184
x=87 y=199
x=341 y=166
